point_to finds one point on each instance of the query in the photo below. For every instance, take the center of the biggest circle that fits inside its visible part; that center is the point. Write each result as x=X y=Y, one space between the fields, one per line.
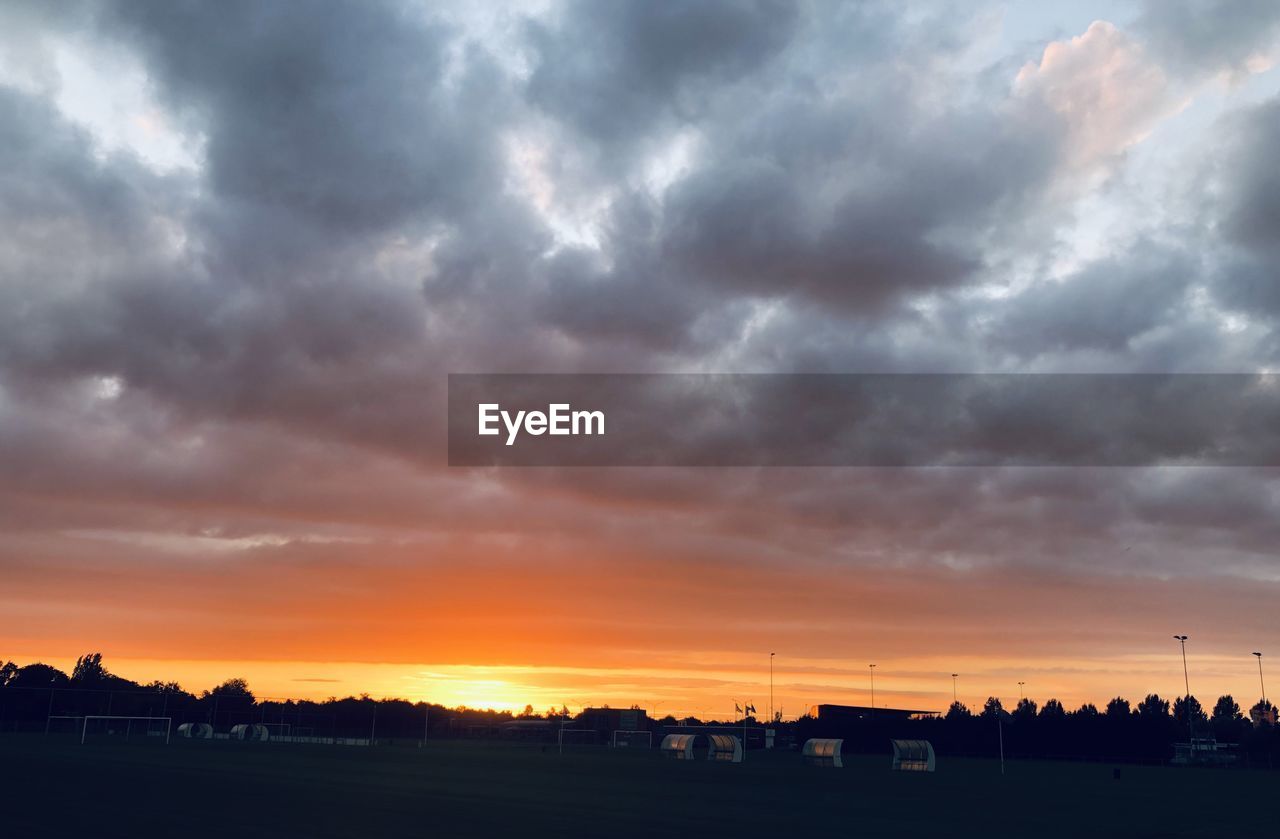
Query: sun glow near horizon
x=707 y=693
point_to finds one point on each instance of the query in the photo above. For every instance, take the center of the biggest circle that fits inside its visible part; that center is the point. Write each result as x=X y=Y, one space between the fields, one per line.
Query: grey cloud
x=612 y=70
x=846 y=170
x=348 y=113
x=1250 y=206
x=1105 y=306
x=1209 y=36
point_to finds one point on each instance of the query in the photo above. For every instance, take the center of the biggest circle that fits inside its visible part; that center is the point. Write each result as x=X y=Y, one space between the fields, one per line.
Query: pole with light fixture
x=1186 y=683
x=872 y=668
x=1261 y=683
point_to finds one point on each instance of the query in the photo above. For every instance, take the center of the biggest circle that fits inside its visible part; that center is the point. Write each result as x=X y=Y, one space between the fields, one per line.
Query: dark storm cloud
x=1105 y=306
x=1251 y=210
x=328 y=134
x=58 y=202
x=612 y=70
x=848 y=196
x=354 y=115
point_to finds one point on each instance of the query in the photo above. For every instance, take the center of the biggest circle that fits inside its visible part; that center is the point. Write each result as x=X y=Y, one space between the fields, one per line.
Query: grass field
x=54 y=787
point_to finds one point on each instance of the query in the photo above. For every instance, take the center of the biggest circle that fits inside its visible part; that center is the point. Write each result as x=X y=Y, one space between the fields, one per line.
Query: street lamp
x=1020 y=696
x=1261 y=683
x=953 y=688
x=1186 y=683
x=872 y=667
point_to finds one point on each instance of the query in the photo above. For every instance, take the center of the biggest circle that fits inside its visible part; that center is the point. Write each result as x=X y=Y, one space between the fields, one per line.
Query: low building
x=605 y=721
x=854 y=713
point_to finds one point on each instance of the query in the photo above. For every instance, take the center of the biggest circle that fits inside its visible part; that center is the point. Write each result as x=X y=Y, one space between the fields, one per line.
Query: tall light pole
x=953 y=688
x=1020 y=694
x=872 y=668
x=1186 y=683
x=771 y=717
x=1261 y=683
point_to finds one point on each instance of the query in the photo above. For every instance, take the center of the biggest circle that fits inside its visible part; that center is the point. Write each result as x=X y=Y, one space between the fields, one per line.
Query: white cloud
x=1107 y=91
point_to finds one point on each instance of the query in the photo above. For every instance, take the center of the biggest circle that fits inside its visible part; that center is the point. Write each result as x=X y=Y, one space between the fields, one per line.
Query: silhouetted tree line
x=1118 y=732
x=30 y=695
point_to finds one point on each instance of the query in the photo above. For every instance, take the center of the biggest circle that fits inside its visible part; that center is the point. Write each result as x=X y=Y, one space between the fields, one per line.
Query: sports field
x=54 y=787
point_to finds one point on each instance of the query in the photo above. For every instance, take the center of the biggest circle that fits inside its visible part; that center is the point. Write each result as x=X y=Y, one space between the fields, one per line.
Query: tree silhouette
x=992 y=708
x=1153 y=707
x=1026 y=709
x=958 y=710
x=89 y=670
x=1227 y=710
x=1188 y=706
x=1118 y=708
x=38 y=676
x=1088 y=711
x=165 y=687
x=1263 y=713
x=1053 y=710
x=232 y=687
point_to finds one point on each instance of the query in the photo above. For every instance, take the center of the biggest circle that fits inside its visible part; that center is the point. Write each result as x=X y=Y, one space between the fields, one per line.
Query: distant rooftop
x=861 y=711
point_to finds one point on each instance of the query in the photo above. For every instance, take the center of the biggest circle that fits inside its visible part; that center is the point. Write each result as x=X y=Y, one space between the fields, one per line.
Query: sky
x=243 y=244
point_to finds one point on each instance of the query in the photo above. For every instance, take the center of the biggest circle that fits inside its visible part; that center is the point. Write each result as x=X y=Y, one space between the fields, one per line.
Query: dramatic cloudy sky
x=242 y=244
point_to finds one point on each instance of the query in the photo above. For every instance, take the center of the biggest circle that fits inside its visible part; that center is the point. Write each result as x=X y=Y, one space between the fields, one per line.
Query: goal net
x=126 y=728
x=278 y=729
x=64 y=724
x=633 y=739
x=578 y=737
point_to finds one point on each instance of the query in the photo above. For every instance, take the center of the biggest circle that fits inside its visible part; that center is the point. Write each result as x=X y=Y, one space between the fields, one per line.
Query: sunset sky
x=243 y=244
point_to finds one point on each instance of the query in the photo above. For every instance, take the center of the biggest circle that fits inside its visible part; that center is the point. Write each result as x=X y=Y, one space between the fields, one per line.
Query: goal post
x=632 y=739
x=69 y=728
x=278 y=729
x=128 y=722
x=578 y=737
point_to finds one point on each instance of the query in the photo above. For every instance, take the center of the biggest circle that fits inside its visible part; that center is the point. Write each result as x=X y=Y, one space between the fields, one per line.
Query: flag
x=751 y=709
x=737 y=709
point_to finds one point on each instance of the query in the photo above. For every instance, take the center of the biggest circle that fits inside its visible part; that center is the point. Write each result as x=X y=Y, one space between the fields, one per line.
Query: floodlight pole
x=1020 y=693
x=1186 y=702
x=954 y=700
x=872 y=668
x=1261 y=683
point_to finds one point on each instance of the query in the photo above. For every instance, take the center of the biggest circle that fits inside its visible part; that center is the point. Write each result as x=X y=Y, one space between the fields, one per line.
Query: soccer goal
x=633 y=739
x=63 y=723
x=127 y=727
x=578 y=737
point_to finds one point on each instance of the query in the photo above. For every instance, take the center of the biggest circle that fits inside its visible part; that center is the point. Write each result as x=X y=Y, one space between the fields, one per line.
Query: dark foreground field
x=54 y=787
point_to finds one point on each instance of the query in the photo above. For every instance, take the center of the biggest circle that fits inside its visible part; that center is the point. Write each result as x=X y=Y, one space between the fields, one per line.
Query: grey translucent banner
x=864 y=420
